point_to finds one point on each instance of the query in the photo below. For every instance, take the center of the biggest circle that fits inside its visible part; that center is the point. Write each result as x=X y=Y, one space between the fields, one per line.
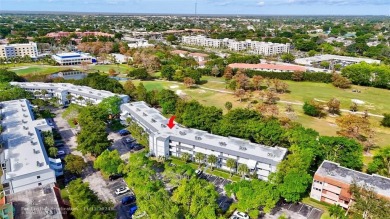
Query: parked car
x=115 y=176
x=61 y=153
x=122 y=190
x=128 y=200
x=132 y=210
x=124 y=132
x=128 y=140
x=198 y=172
x=239 y=215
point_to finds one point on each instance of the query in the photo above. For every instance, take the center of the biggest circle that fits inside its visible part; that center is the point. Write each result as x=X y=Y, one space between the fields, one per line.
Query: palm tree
x=212 y=160
x=199 y=157
x=243 y=169
x=53 y=151
x=69 y=97
x=231 y=163
x=80 y=99
x=37 y=93
x=185 y=156
x=44 y=92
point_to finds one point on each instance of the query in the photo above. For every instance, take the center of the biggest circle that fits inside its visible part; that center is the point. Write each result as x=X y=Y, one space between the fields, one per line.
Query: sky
x=234 y=7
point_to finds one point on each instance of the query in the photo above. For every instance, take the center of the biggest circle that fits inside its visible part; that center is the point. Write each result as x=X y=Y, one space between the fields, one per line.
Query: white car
x=60 y=153
x=239 y=215
x=122 y=190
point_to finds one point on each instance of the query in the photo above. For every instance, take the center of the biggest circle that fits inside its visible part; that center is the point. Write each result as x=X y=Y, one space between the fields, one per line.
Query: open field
x=300 y=91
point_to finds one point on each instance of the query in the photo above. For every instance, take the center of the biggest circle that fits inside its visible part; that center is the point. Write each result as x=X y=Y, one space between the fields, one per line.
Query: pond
x=76 y=75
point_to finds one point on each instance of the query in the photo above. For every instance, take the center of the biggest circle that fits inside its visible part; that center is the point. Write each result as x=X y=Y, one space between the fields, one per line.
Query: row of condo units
x=166 y=142
x=24 y=160
x=255 y=47
x=68 y=93
x=19 y=50
x=332 y=183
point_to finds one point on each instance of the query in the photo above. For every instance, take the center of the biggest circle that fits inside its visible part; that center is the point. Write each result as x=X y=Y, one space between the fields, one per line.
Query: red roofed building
x=268 y=67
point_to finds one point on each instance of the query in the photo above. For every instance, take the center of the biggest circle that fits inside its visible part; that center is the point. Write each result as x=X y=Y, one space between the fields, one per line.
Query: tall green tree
x=141 y=92
x=111 y=105
x=108 y=162
x=212 y=160
x=74 y=163
x=231 y=164
x=381 y=162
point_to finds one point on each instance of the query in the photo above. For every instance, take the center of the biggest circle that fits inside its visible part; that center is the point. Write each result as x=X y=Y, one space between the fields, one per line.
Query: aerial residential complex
x=332 y=182
x=81 y=95
x=19 y=50
x=24 y=160
x=165 y=142
x=254 y=47
x=72 y=58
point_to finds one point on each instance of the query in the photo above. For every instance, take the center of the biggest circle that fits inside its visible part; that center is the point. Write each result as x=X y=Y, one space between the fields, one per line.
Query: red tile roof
x=268 y=66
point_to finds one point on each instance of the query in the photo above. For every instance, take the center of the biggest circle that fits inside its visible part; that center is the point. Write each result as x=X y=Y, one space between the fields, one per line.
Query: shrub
x=340 y=81
x=312 y=109
x=386 y=120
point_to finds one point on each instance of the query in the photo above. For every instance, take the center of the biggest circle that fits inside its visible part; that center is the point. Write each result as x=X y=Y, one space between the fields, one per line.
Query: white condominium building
x=19 y=50
x=254 y=47
x=23 y=157
x=166 y=142
x=81 y=95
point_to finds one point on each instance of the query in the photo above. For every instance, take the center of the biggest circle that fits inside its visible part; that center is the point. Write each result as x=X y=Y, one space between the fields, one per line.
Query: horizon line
x=180 y=14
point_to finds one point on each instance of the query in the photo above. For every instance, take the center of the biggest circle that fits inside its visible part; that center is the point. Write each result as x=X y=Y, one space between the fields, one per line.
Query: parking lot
x=223 y=200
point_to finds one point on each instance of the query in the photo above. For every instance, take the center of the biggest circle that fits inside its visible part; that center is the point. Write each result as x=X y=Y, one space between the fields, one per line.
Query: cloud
x=261 y=3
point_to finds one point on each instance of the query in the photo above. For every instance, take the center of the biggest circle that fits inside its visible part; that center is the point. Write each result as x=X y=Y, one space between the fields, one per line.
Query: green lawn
x=121 y=69
x=37 y=69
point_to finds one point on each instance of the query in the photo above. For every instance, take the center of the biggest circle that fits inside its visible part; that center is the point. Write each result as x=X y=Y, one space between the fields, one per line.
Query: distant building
x=81 y=95
x=19 y=50
x=254 y=47
x=24 y=159
x=343 y=60
x=268 y=67
x=119 y=58
x=59 y=35
x=332 y=183
x=164 y=142
x=72 y=58
x=199 y=57
x=139 y=43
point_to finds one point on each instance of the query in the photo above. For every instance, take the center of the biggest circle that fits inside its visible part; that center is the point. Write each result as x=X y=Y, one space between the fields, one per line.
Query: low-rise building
x=19 y=50
x=343 y=60
x=23 y=158
x=165 y=142
x=268 y=67
x=72 y=58
x=68 y=93
x=332 y=183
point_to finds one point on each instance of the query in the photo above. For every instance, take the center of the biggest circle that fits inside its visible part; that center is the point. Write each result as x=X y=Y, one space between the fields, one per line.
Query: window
x=39 y=184
x=38 y=177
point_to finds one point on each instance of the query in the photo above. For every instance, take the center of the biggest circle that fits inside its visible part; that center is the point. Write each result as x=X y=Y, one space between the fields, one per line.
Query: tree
x=53 y=151
x=386 y=120
x=287 y=57
x=108 y=162
x=313 y=108
x=337 y=212
x=111 y=105
x=93 y=137
x=228 y=105
x=212 y=160
x=367 y=203
x=333 y=106
x=87 y=202
x=74 y=164
x=381 y=163
x=171 y=38
x=141 y=92
x=129 y=88
x=231 y=163
x=84 y=65
x=139 y=73
x=269 y=97
x=8 y=76
x=240 y=93
x=325 y=64
x=199 y=157
x=112 y=72
x=215 y=71
x=188 y=82
x=243 y=169
x=271 y=110
x=167 y=72
x=356 y=127
x=242 y=80
x=185 y=156
x=167 y=99
x=312 y=53
x=340 y=81
x=228 y=73
x=197 y=198
x=257 y=81
x=297 y=76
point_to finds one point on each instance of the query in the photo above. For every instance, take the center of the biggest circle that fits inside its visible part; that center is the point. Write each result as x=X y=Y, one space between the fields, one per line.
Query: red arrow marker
x=170 y=123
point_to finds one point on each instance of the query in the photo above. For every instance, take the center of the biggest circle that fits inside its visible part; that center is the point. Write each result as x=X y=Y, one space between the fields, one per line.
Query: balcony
x=330 y=195
x=332 y=188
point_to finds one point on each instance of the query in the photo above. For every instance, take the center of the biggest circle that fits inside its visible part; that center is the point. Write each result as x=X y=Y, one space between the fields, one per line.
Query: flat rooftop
x=37 y=203
x=24 y=151
x=153 y=120
x=70 y=55
x=333 y=170
x=320 y=58
x=75 y=89
x=279 y=67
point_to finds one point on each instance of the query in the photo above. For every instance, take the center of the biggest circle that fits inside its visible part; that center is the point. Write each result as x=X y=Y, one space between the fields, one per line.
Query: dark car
x=115 y=176
x=128 y=200
x=127 y=140
x=69 y=179
x=124 y=132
